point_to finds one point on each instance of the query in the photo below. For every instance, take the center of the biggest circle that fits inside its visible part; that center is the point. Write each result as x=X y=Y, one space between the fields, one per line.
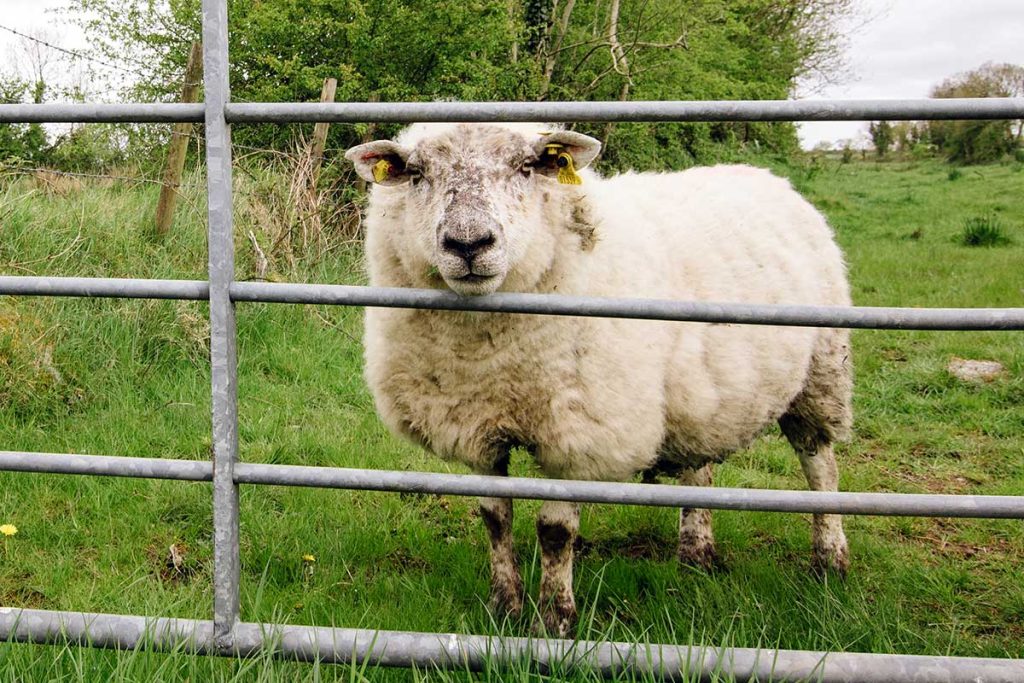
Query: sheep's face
x=472 y=201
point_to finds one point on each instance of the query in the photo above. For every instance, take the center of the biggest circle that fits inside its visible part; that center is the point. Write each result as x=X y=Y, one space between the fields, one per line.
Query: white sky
x=908 y=47
x=913 y=45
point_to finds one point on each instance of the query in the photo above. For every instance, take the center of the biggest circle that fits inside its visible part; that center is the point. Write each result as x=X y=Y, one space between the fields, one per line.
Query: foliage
x=422 y=50
x=983 y=231
x=24 y=142
x=972 y=142
x=882 y=136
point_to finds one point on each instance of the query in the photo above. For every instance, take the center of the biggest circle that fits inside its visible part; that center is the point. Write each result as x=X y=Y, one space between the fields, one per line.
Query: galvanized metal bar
x=18 y=285
x=541 y=304
x=223 y=352
x=408 y=112
x=768 y=500
x=106 y=466
x=462 y=652
x=101 y=113
x=647 y=309
x=729 y=110
x=772 y=500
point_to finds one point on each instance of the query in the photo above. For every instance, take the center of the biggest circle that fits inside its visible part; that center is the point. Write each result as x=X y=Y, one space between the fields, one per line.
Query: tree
x=972 y=142
x=882 y=136
x=19 y=141
x=423 y=50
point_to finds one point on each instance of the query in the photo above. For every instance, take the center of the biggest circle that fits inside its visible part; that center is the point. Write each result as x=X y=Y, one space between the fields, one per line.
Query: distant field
x=130 y=378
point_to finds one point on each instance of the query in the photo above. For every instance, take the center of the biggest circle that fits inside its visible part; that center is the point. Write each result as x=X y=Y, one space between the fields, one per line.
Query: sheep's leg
x=696 y=541
x=506 y=584
x=827 y=537
x=818 y=461
x=557 y=526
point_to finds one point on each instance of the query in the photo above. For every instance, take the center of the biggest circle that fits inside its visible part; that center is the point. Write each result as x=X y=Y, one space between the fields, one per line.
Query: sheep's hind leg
x=696 y=540
x=818 y=461
x=506 y=583
x=557 y=526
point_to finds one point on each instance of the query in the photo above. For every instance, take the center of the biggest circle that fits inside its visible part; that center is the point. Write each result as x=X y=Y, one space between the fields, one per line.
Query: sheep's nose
x=467 y=248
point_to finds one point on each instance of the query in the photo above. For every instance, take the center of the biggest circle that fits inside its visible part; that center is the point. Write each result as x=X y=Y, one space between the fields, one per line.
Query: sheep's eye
x=527 y=167
x=415 y=174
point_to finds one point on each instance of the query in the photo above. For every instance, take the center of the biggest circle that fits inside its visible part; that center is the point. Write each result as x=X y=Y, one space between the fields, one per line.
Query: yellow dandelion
x=8 y=529
x=308 y=558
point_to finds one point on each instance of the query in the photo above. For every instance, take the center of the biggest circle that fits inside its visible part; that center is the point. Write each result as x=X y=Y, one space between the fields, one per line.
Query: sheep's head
x=472 y=193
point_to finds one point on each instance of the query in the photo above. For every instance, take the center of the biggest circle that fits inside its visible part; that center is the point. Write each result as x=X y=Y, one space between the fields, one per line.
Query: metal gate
x=226 y=634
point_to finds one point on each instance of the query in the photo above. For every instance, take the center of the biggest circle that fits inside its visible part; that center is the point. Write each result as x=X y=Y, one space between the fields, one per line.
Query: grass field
x=130 y=378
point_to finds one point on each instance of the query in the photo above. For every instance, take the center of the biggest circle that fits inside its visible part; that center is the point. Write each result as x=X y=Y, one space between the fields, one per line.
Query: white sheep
x=482 y=208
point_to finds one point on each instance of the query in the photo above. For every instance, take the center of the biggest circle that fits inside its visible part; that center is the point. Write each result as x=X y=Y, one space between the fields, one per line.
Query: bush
x=955 y=174
x=983 y=231
x=1018 y=155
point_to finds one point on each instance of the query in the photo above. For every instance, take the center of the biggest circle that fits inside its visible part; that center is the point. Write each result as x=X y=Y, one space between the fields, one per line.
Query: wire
x=58 y=48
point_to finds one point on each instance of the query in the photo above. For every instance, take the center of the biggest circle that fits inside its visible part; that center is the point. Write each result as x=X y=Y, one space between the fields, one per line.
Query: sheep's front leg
x=506 y=584
x=696 y=540
x=557 y=526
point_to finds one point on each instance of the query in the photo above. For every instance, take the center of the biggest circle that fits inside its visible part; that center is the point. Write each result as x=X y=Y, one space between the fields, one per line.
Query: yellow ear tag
x=382 y=170
x=567 y=174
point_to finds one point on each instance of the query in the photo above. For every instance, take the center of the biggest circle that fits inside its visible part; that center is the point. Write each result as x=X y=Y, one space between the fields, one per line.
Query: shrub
x=955 y=174
x=983 y=231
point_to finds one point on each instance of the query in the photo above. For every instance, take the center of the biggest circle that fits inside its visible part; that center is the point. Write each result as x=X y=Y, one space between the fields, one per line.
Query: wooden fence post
x=316 y=147
x=179 y=144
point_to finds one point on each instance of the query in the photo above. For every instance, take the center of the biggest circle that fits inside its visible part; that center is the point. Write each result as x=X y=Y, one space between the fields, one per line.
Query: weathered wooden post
x=316 y=147
x=179 y=144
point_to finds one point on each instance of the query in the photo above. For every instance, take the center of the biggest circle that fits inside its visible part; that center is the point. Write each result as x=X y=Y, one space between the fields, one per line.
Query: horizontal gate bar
x=729 y=110
x=407 y=112
x=106 y=465
x=659 y=495
x=662 y=495
x=104 y=287
x=541 y=304
x=647 y=309
x=458 y=651
x=136 y=112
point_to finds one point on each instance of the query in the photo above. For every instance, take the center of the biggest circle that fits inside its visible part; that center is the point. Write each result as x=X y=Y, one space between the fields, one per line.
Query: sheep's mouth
x=474 y=278
x=474 y=284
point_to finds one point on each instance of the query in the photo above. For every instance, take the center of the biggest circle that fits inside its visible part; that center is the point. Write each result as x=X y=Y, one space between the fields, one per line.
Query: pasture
x=131 y=378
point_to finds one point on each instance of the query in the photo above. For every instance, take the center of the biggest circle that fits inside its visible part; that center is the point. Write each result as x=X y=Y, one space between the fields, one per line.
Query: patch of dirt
x=402 y=560
x=933 y=482
x=895 y=355
x=24 y=596
x=173 y=563
x=945 y=536
x=640 y=545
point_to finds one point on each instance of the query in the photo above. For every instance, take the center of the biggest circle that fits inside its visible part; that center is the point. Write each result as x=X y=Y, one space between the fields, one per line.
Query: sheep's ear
x=381 y=162
x=581 y=149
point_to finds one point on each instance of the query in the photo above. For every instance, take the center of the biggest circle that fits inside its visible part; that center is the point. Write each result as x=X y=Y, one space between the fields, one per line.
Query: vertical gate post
x=223 y=355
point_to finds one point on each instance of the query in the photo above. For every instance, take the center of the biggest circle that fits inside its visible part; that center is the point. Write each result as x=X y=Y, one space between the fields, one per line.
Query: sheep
x=478 y=208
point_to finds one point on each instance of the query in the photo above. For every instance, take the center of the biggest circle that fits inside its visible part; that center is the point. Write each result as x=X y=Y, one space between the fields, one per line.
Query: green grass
x=131 y=378
x=983 y=231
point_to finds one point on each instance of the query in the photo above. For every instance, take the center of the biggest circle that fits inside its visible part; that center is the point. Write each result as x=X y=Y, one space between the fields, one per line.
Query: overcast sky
x=912 y=45
x=905 y=48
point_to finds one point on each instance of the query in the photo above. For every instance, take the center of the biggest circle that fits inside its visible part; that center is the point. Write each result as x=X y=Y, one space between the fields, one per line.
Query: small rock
x=975 y=370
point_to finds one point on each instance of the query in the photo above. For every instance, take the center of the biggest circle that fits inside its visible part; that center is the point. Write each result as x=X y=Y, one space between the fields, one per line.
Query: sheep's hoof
x=699 y=555
x=557 y=620
x=830 y=559
x=507 y=600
